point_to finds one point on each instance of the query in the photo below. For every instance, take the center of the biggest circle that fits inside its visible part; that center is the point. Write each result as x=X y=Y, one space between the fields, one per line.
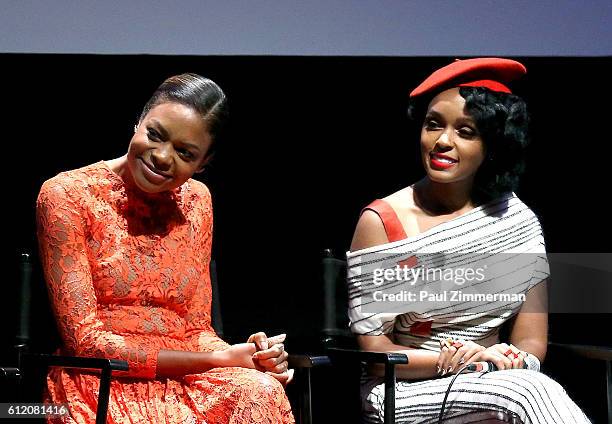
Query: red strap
x=393 y=226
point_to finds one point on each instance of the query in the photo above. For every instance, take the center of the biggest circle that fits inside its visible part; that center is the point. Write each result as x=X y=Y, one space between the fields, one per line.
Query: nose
x=444 y=140
x=162 y=157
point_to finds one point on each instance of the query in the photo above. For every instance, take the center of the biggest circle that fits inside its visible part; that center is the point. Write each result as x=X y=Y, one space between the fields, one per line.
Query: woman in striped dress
x=410 y=285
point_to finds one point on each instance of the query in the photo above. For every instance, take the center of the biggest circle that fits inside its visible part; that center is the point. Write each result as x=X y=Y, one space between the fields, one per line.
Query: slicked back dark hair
x=201 y=94
x=503 y=123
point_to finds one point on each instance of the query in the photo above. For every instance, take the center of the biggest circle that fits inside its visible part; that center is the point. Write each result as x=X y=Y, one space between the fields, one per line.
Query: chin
x=440 y=176
x=152 y=190
x=436 y=177
x=143 y=185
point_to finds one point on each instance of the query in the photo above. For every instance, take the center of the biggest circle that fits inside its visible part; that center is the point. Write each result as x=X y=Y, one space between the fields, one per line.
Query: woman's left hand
x=271 y=356
x=516 y=356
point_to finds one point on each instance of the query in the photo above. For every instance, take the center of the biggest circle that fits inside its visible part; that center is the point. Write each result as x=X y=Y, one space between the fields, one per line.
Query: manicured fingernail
x=438 y=368
x=443 y=372
x=450 y=369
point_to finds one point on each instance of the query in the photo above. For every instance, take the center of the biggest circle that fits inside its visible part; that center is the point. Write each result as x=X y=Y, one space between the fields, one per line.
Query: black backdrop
x=311 y=140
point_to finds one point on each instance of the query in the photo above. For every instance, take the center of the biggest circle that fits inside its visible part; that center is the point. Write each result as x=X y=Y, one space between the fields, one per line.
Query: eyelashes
x=153 y=135
x=464 y=131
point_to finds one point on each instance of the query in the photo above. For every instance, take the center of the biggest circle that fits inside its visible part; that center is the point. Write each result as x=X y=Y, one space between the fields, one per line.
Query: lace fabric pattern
x=128 y=275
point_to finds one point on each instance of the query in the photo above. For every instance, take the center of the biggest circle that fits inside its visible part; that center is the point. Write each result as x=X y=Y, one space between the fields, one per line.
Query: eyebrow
x=466 y=119
x=432 y=113
x=164 y=134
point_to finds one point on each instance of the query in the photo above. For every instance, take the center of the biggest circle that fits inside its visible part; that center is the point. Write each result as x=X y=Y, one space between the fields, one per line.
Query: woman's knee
x=534 y=380
x=258 y=381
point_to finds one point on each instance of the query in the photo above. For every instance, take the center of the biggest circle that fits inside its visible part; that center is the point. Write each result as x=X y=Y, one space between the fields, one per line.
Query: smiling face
x=169 y=145
x=452 y=149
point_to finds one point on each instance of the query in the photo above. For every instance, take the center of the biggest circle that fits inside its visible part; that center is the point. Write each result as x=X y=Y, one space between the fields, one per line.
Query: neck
x=120 y=167
x=443 y=198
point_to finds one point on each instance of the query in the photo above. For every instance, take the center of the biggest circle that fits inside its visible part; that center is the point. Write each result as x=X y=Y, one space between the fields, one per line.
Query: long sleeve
x=62 y=230
x=200 y=334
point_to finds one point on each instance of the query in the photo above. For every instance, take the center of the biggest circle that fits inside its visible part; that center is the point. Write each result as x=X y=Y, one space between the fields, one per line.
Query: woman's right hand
x=238 y=355
x=452 y=358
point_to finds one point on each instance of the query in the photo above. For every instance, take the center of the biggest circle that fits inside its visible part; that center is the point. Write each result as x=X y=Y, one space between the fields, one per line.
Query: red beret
x=490 y=72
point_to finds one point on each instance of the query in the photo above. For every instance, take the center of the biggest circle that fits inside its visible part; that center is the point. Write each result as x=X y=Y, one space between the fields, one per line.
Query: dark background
x=311 y=141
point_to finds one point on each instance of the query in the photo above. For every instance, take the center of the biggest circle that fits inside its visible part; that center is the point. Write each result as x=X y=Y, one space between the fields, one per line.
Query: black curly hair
x=503 y=123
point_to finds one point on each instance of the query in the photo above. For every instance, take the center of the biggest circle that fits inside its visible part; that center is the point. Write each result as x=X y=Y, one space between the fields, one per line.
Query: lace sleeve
x=62 y=229
x=200 y=334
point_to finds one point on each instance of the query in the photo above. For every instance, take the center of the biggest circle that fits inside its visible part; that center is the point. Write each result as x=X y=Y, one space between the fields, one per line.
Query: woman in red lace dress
x=125 y=246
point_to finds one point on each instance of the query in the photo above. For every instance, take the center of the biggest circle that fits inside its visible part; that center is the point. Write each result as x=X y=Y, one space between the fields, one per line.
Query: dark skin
x=169 y=145
x=444 y=194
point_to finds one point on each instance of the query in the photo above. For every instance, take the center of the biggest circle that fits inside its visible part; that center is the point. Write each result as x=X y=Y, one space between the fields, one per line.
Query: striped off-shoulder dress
x=461 y=279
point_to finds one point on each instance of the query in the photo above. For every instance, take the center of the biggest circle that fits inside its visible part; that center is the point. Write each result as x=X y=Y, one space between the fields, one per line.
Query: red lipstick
x=152 y=174
x=440 y=161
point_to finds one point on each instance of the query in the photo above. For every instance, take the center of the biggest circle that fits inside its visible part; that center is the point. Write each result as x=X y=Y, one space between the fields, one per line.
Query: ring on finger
x=510 y=352
x=448 y=342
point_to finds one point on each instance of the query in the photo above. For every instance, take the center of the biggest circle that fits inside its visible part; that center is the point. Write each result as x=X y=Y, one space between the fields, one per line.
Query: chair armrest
x=106 y=366
x=603 y=353
x=352 y=355
x=307 y=361
x=389 y=359
x=303 y=364
x=78 y=362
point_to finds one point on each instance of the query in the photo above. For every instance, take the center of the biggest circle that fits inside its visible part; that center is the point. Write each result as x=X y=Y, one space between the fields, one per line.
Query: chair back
x=216 y=317
x=33 y=330
x=335 y=331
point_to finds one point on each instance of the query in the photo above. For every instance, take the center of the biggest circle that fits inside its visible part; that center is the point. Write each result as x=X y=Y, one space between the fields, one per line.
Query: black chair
x=24 y=380
x=572 y=353
x=342 y=348
x=339 y=342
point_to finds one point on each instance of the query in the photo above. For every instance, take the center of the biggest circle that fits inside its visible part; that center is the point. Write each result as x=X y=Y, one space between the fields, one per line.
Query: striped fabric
x=505 y=236
x=531 y=395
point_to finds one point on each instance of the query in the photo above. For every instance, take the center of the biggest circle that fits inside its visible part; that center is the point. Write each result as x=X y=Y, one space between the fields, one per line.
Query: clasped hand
x=266 y=354
x=453 y=358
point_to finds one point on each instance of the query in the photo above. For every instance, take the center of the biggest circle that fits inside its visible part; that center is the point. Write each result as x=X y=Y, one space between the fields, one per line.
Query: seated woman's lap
x=224 y=394
x=532 y=395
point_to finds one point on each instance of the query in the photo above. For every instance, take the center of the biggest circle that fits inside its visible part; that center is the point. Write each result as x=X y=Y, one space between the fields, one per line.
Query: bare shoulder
x=369 y=232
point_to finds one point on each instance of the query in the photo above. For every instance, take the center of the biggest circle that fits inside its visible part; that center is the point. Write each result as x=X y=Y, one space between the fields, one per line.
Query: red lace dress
x=128 y=275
